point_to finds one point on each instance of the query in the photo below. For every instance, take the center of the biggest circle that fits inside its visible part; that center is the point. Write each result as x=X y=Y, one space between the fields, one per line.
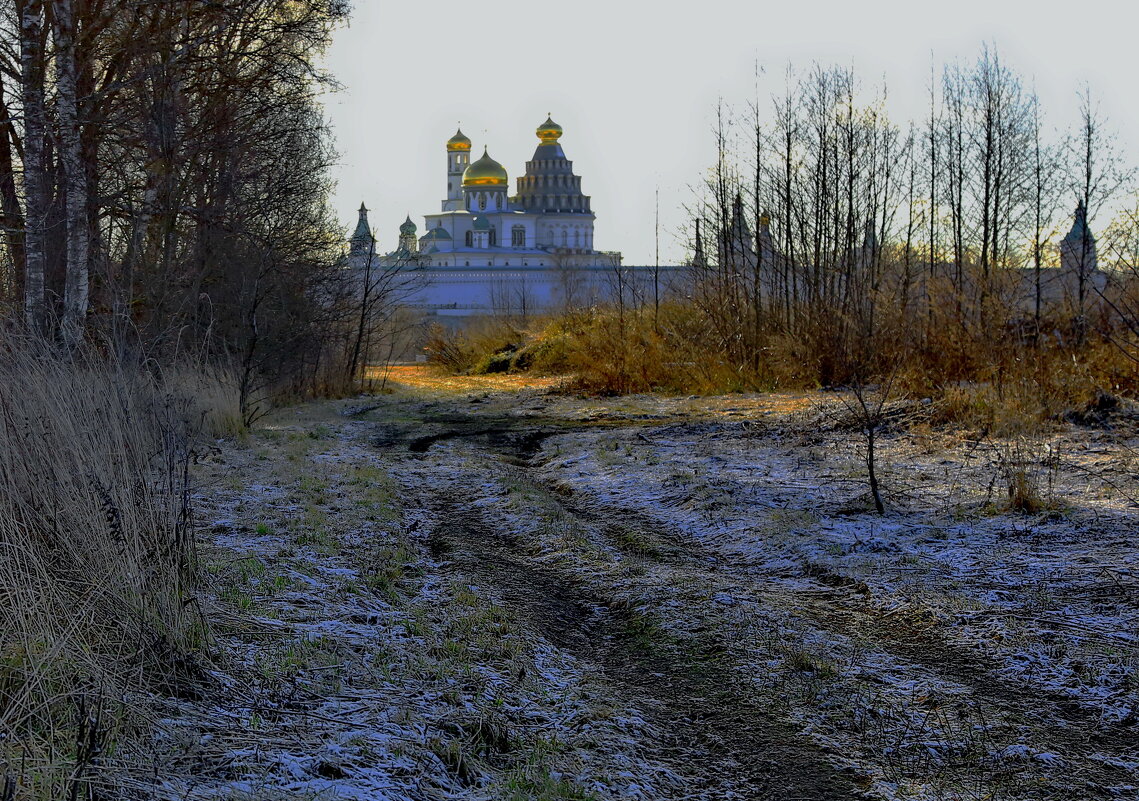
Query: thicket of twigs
x=97 y=556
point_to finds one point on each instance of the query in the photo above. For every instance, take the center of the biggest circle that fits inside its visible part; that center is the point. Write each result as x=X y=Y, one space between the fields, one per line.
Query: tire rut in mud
x=713 y=729
x=1080 y=733
x=698 y=704
x=845 y=611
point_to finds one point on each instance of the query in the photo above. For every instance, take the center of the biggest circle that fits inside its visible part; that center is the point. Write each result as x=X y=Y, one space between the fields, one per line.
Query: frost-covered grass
x=464 y=623
x=960 y=584
x=355 y=662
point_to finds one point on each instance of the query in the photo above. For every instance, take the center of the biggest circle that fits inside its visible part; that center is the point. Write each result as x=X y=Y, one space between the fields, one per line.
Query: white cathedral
x=487 y=252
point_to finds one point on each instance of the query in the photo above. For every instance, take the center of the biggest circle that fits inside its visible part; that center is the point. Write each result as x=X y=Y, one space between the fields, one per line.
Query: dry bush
x=215 y=394
x=1027 y=389
x=546 y=352
x=97 y=554
x=1027 y=469
x=461 y=350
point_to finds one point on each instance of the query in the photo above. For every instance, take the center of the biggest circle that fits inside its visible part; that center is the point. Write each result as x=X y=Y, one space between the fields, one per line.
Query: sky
x=636 y=85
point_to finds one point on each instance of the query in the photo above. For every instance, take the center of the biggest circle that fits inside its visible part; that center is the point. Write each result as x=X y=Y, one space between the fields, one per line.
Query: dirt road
x=507 y=593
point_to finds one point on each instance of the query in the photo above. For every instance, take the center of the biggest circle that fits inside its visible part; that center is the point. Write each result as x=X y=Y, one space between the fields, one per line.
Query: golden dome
x=549 y=131
x=458 y=142
x=485 y=172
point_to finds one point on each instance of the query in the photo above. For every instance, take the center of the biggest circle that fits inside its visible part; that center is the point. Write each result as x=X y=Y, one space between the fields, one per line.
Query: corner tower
x=1078 y=248
x=362 y=244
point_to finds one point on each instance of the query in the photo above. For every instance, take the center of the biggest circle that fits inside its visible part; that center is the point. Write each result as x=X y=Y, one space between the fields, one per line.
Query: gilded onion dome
x=458 y=142
x=408 y=227
x=485 y=172
x=549 y=131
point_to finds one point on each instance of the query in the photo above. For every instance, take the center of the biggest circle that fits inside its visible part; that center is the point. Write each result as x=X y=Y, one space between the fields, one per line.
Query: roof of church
x=438 y=232
x=481 y=224
x=362 y=230
x=549 y=131
x=551 y=151
x=1080 y=228
x=485 y=172
x=459 y=141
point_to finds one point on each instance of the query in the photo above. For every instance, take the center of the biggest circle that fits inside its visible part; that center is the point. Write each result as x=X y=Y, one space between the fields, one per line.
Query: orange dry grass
x=435 y=379
x=752 y=405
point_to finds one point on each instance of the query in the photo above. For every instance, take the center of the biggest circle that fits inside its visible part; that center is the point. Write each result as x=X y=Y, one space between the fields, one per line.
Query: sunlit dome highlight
x=485 y=172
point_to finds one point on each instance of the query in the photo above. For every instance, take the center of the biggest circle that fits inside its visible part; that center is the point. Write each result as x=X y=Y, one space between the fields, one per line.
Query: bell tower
x=458 y=159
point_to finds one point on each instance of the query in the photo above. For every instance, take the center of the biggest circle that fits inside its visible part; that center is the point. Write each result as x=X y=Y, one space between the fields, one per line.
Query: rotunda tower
x=551 y=189
x=408 y=242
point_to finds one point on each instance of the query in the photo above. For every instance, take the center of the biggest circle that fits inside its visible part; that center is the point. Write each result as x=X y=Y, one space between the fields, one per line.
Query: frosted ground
x=494 y=591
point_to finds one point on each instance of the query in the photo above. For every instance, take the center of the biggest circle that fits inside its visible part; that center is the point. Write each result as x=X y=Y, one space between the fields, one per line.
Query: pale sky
x=635 y=85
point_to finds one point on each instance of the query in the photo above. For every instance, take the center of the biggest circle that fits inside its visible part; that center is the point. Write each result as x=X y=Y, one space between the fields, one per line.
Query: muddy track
x=714 y=730
x=691 y=688
x=844 y=611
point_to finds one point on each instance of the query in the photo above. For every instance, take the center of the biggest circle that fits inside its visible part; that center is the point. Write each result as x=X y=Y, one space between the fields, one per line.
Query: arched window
x=577 y=237
x=565 y=238
x=518 y=236
x=482 y=201
x=493 y=237
x=470 y=239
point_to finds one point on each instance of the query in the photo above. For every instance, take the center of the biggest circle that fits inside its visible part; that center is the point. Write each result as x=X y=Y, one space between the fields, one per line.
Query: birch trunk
x=13 y=215
x=76 y=283
x=35 y=172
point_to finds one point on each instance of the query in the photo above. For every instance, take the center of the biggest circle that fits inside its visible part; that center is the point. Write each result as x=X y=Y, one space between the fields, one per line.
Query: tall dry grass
x=97 y=556
x=993 y=378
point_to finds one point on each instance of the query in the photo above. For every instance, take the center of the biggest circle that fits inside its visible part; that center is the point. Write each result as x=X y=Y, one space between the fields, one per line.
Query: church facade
x=487 y=251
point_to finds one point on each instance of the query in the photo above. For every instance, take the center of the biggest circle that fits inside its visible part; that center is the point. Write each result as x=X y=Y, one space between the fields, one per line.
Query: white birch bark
x=76 y=282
